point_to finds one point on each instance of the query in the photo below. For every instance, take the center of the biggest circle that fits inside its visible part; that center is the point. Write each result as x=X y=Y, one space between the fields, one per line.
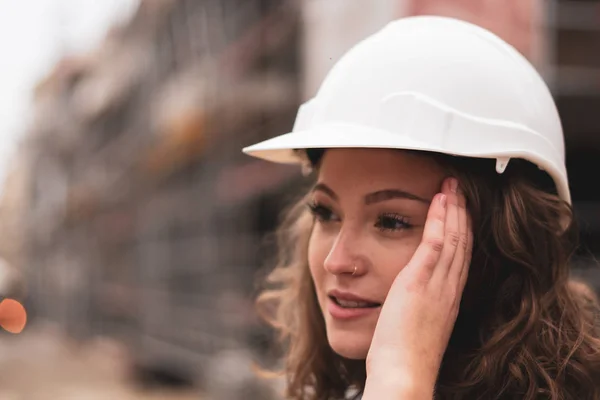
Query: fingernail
x=443 y=200
x=453 y=185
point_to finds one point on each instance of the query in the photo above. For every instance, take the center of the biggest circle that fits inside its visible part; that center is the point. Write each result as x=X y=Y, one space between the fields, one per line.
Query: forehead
x=374 y=169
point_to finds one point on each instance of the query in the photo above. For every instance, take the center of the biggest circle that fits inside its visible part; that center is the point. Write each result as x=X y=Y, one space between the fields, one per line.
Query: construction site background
x=133 y=228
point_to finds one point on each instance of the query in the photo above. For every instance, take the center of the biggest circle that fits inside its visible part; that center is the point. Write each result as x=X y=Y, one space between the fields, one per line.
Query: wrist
x=397 y=387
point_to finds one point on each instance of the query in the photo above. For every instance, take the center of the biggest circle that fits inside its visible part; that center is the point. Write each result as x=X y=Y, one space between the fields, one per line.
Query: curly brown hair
x=524 y=330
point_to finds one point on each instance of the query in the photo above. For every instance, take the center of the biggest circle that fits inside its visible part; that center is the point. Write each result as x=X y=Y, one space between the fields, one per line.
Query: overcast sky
x=34 y=34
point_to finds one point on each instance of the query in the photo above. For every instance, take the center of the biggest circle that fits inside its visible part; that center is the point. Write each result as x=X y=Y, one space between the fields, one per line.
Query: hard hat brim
x=282 y=149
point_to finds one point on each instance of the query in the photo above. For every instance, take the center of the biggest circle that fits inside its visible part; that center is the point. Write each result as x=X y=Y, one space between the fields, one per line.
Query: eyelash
x=320 y=212
x=396 y=219
x=324 y=215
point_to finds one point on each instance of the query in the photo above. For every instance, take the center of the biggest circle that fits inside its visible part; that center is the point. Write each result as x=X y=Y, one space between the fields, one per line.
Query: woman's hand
x=420 y=310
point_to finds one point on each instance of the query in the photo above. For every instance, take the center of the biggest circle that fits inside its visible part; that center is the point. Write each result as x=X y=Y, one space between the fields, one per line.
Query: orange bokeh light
x=13 y=316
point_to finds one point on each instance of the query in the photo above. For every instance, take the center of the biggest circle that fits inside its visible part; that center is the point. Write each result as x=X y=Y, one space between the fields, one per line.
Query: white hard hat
x=432 y=84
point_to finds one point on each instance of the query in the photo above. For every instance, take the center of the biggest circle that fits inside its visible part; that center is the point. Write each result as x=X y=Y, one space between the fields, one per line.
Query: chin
x=352 y=345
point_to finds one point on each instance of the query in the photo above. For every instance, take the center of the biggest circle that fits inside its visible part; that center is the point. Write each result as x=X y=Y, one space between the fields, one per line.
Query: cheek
x=317 y=253
x=390 y=259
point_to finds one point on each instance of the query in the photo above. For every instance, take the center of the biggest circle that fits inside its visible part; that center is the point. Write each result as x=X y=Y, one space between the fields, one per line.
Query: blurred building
x=13 y=207
x=574 y=75
x=142 y=219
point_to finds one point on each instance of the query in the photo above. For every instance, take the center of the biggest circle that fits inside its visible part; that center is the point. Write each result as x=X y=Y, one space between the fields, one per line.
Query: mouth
x=344 y=303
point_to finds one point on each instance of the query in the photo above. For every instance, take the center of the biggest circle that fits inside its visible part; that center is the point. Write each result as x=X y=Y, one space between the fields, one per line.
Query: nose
x=343 y=256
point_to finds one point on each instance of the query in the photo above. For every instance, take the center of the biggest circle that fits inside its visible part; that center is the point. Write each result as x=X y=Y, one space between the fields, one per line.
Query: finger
x=464 y=273
x=451 y=231
x=428 y=252
x=458 y=264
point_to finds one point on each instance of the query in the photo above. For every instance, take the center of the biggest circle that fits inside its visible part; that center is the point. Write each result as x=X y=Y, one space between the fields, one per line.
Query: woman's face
x=370 y=207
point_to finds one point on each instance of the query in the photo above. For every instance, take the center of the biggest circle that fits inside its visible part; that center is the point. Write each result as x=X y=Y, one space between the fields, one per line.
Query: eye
x=322 y=213
x=392 y=222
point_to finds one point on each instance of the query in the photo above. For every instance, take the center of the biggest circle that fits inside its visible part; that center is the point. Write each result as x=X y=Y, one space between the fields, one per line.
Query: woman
x=430 y=258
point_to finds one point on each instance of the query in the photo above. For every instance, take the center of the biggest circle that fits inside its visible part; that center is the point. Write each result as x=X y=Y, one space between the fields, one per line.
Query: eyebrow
x=375 y=197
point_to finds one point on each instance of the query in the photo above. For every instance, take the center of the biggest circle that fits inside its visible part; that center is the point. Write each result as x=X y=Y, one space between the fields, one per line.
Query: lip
x=349 y=296
x=343 y=313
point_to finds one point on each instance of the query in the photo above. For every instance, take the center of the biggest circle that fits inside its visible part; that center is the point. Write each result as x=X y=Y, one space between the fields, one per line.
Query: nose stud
x=354 y=272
